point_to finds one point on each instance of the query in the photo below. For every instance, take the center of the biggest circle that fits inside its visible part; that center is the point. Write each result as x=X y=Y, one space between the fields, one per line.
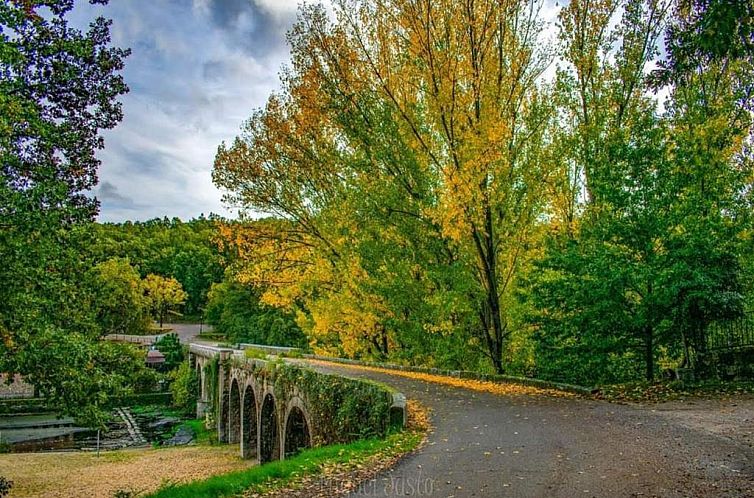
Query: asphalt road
x=188 y=332
x=486 y=445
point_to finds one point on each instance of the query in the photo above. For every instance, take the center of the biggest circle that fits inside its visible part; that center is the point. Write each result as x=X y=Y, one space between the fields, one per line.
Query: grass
x=280 y=473
x=255 y=353
x=212 y=336
x=202 y=435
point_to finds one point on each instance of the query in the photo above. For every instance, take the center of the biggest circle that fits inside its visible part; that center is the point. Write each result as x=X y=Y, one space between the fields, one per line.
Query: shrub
x=184 y=388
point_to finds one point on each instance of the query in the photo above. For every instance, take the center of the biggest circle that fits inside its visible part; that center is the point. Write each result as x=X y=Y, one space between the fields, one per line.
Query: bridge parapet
x=274 y=350
x=275 y=408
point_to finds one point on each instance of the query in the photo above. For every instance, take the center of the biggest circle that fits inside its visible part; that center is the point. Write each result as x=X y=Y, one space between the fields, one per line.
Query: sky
x=198 y=69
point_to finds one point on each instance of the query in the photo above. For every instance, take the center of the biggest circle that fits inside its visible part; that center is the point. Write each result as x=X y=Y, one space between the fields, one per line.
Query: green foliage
x=118 y=298
x=185 y=388
x=58 y=89
x=163 y=295
x=185 y=251
x=576 y=230
x=170 y=346
x=255 y=353
x=202 y=435
x=236 y=312
x=345 y=409
x=655 y=255
x=81 y=377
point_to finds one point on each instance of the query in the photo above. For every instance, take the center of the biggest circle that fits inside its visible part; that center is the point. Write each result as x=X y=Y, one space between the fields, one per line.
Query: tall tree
x=651 y=255
x=58 y=89
x=163 y=295
x=710 y=73
x=405 y=114
x=117 y=297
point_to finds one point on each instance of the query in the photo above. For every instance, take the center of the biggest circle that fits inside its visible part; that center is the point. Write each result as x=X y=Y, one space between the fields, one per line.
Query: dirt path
x=76 y=474
x=524 y=445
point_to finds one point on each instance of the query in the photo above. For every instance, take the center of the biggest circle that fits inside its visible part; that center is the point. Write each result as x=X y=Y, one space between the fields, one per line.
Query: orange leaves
x=498 y=388
x=393 y=111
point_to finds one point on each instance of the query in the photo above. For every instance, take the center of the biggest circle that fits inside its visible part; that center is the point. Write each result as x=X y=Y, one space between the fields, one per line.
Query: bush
x=184 y=388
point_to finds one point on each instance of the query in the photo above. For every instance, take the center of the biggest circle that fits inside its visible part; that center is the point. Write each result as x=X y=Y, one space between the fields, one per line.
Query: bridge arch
x=249 y=423
x=234 y=413
x=249 y=404
x=269 y=438
x=297 y=434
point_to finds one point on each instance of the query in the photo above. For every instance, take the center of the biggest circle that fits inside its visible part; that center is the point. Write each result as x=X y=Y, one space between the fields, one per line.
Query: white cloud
x=196 y=73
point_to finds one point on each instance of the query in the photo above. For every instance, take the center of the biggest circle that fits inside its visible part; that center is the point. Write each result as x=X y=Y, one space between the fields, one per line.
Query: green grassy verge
x=281 y=473
x=212 y=336
x=156 y=410
x=255 y=353
x=655 y=392
x=202 y=435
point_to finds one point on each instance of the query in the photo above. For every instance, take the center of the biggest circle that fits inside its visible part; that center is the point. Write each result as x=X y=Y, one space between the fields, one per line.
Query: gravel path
x=540 y=446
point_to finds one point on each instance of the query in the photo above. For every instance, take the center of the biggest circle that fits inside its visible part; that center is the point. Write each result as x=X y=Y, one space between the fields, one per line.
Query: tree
x=650 y=256
x=236 y=311
x=163 y=295
x=196 y=268
x=710 y=72
x=184 y=388
x=417 y=169
x=186 y=251
x=118 y=298
x=418 y=119
x=170 y=346
x=58 y=89
x=607 y=261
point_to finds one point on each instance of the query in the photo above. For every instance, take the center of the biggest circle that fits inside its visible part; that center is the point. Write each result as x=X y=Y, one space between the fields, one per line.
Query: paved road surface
x=485 y=445
x=188 y=332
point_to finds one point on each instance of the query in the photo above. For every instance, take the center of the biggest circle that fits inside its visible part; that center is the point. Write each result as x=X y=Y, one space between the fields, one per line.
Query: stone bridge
x=274 y=408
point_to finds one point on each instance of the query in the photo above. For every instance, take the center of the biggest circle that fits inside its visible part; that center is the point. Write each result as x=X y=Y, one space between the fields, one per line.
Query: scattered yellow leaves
x=499 y=388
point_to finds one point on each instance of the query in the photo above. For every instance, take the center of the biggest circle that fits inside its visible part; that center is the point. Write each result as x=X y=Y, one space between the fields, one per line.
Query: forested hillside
x=193 y=254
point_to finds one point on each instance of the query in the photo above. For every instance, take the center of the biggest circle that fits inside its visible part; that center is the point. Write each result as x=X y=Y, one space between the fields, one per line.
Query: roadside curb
x=462 y=374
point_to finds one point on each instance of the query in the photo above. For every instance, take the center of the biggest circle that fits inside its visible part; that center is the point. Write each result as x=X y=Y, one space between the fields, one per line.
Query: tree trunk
x=385 y=346
x=493 y=326
x=649 y=356
x=494 y=298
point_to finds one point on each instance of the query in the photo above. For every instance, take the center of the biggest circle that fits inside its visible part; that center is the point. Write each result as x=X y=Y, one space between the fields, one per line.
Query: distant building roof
x=154 y=357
